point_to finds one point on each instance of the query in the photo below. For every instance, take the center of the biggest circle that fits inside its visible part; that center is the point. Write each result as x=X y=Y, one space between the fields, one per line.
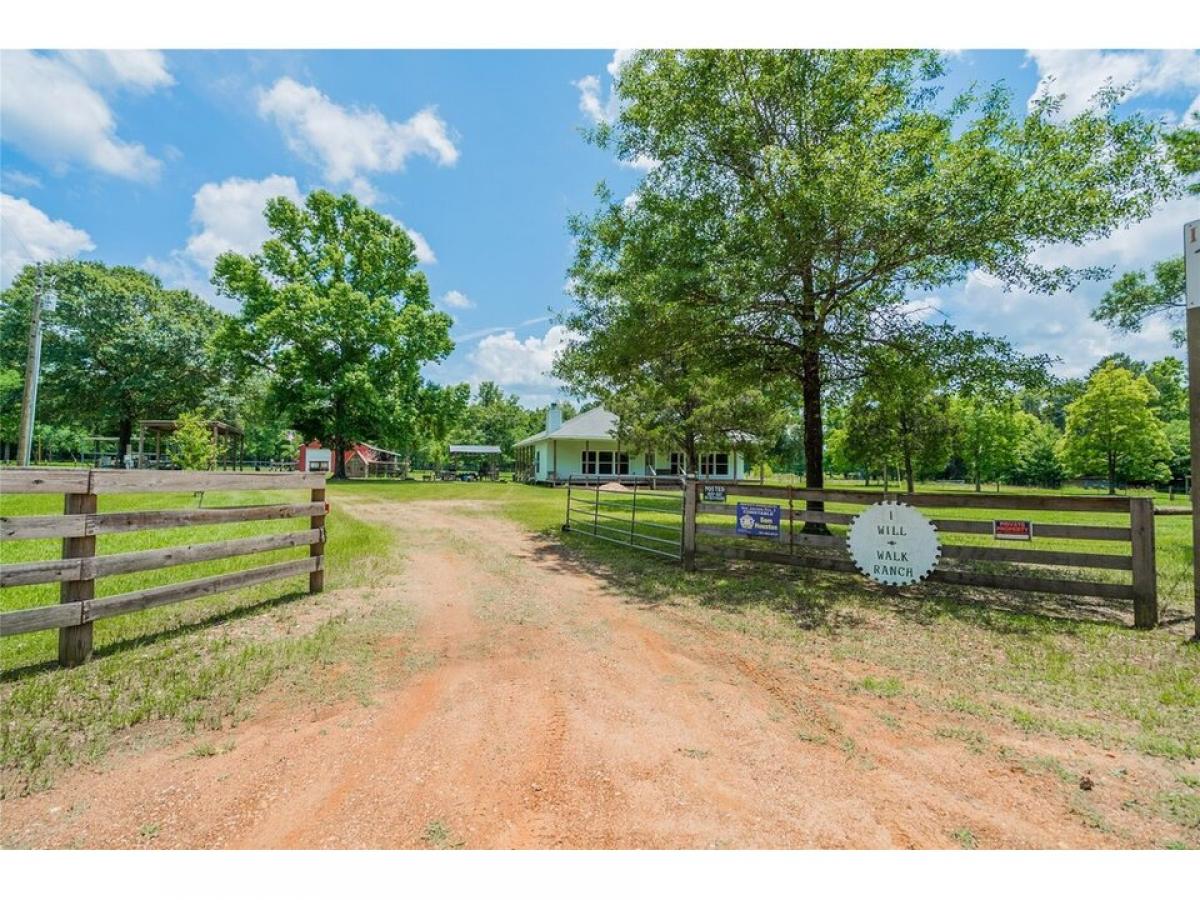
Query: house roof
x=597 y=424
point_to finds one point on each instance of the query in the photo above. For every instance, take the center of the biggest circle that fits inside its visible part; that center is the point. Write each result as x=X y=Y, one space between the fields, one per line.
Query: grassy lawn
x=195 y=663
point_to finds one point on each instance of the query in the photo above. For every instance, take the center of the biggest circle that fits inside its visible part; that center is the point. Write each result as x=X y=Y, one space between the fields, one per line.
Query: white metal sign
x=1191 y=265
x=892 y=543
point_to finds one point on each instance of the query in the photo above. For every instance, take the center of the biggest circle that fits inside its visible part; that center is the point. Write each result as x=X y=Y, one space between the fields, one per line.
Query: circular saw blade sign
x=892 y=543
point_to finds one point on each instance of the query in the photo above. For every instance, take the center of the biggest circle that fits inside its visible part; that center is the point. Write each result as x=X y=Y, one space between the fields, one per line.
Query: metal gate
x=634 y=513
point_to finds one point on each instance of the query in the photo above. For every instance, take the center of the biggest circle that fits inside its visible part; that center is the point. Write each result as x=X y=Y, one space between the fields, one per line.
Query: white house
x=587 y=446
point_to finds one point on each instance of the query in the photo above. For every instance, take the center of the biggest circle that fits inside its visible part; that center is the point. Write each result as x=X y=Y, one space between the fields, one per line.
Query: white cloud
x=425 y=254
x=227 y=216
x=28 y=235
x=20 y=180
x=506 y=360
x=591 y=103
x=591 y=100
x=54 y=115
x=349 y=142
x=457 y=300
x=1061 y=325
x=640 y=163
x=1079 y=74
x=143 y=70
x=230 y=216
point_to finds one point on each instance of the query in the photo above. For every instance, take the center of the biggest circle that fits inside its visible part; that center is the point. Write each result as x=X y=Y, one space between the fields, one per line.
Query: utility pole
x=33 y=365
x=1191 y=257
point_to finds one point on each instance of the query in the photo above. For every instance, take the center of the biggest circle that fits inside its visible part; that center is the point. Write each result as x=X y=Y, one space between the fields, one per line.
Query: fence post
x=316 y=578
x=567 y=521
x=689 y=523
x=75 y=641
x=1145 y=576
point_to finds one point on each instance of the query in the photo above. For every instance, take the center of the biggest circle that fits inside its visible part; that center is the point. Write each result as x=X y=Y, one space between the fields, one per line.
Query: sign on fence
x=758 y=520
x=892 y=543
x=714 y=493
x=1012 y=530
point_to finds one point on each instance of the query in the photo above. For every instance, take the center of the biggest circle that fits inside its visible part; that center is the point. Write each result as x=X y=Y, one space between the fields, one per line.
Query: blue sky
x=164 y=159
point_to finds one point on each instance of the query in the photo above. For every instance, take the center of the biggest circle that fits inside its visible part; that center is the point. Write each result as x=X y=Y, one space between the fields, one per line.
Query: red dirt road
x=537 y=708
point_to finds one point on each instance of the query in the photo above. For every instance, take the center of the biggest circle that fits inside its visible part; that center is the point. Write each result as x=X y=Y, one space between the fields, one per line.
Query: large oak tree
x=117 y=346
x=799 y=198
x=335 y=309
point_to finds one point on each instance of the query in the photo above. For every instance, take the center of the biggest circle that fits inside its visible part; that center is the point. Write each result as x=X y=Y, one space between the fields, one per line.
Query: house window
x=714 y=464
x=605 y=462
x=537 y=460
x=677 y=464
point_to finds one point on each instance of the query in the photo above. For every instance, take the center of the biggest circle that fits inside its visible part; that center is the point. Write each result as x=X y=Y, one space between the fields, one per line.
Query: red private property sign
x=1012 y=530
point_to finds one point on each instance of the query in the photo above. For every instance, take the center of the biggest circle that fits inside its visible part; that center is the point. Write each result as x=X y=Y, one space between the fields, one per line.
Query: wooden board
x=1039 y=557
x=940 y=500
x=40 y=618
x=44 y=481
x=1037 y=585
x=1040 y=530
x=147 y=598
x=42 y=572
x=146 y=481
x=974 y=579
x=30 y=527
x=815 y=540
x=144 y=560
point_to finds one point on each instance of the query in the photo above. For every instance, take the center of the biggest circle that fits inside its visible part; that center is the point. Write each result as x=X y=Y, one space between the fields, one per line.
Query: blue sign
x=758 y=520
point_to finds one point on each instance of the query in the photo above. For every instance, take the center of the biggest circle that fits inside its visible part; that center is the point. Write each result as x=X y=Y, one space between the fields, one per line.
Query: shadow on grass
x=816 y=598
x=182 y=629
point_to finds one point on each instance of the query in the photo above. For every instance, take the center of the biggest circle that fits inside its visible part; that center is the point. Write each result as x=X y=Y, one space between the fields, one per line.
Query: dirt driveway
x=538 y=708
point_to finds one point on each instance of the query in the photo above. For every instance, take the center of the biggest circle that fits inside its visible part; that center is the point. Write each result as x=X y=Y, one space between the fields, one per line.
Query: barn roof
x=481 y=449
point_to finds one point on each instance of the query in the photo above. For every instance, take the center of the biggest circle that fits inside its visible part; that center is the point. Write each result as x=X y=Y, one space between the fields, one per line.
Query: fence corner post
x=689 y=523
x=75 y=641
x=316 y=578
x=1145 y=575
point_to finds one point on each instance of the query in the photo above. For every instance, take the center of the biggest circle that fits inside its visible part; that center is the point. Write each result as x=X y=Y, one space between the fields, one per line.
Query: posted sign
x=1012 y=530
x=758 y=520
x=714 y=493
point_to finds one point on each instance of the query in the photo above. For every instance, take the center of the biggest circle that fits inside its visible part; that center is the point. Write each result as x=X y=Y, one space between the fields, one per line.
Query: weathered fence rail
x=1024 y=569
x=78 y=526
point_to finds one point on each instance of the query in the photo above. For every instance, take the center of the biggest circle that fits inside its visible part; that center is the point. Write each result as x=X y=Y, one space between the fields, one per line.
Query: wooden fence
x=1021 y=568
x=80 y=524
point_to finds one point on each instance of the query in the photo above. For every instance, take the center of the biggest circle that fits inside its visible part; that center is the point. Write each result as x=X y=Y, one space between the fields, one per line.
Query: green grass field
x=1055 y=666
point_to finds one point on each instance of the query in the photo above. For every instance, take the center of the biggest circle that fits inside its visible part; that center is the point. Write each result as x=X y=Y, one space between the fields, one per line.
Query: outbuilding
x=586 y=447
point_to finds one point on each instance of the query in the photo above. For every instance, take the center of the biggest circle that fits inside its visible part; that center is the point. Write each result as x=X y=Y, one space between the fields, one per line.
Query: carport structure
x=488 y=454
x=229 y=439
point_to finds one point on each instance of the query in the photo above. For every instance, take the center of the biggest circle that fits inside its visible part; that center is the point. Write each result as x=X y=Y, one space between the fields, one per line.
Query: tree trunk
x=1112 y=474
x=978 y=478
x=908 y=470
x=814 y=437
x=339 y=462
x=124 y=438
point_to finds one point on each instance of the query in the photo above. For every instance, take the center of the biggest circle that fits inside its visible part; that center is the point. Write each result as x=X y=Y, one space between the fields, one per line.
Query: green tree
x=1179 y=438
x=335 y=309
x=1135 y=297
x=191 y=445
x=1169 y=377
x=1037 y=462
x=496 y=419
x=987 y=436
x=800 y=196
x=117 y=346
x=1112 y=428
